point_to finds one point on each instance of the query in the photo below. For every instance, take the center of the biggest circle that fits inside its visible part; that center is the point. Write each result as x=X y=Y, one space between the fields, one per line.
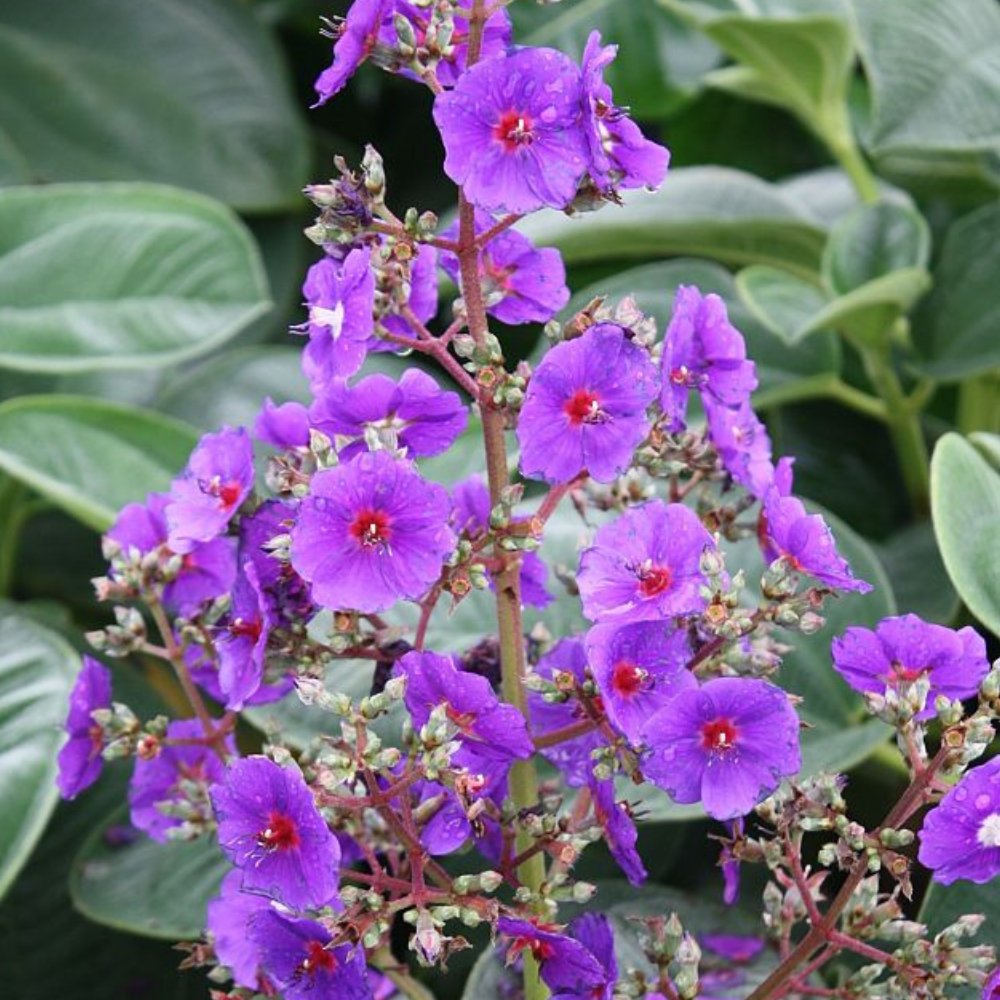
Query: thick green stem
x=979 y=404
x=904 y=426
x=839 y=138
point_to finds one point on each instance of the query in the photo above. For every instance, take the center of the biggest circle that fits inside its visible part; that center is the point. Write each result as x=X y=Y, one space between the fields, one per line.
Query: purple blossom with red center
x=492 y=733
x=903 y=650
x=414 y=413
x=645 y=565
x=496 y=37
x=521 y=283
x=207 y=571
x=566 y=966
x=80 y=759
x=471 y=499
x=621 y=156
x=960 y=838
x=241 y=639
x=726 y=744
x=585 y=407
x=702 y=350
x=298 y=956
x=270 y=829
x=593 y=931
x=356 y=37
x=422 y=301
x=638 y=668
x=370 y=533
x=743 y=444
x=282 y=426
x=805 y=542
x=572 y=757
x=218 y=478
x=176 y=780
x=512 y=131
x=620 y=833
x=341 y=300
x=227 y=918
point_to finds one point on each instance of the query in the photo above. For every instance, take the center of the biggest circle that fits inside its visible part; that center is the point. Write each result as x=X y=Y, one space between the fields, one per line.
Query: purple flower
x=512 y=131
x=495 y=39
x=906 y=649
x=241 y=638
x=341 y=300
x=284 y=426
x=356 y=37
x=178 y=777
x=645 y=565
x=730 y=865
x=960 y=838
x=638 y=668
x=206 y=571
x=414 y=413
x=228 y=916
x=521 y=283
x=269 y=828
x=572 y=757
x=80 y=759
x=991 y=988
x=702 y=350
x=805 y=542
x=743 y=444
x=422 y=301
x=471 y=499
x=620 y=834
x=492 y=733
x=298 y=956
x=740 y=948
x=218 y=478
x=370 y=533
x=567 y=967
x=585 y=408
x=205 y=673
x=727 y=744
x=621 y=156
x=593 y=931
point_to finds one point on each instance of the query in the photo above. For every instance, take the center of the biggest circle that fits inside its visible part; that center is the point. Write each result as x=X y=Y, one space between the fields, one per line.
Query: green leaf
x=934 y=72
x=169 y=275
x=88 y=457
x=783 y=303
x=989 y=447
x=661 y=59
x=965 y=505
x=36 y=673
x=955 y=330
x=713 y=212
x=828 y=194
x=919 y=579
x=198 y=90
x=145 y=887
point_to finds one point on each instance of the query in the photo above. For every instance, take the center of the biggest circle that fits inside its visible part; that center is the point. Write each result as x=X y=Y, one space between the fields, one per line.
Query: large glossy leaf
x=785 y=304
x=934 y=71
x=123 y=879
x=661 y=61
x=957 y=329
x=711 y=212
x=186 y=92
x=89 y=457
x=965 y=503
x=828 y=194
x=36 y=672
x=168 y=275
x=919 y=578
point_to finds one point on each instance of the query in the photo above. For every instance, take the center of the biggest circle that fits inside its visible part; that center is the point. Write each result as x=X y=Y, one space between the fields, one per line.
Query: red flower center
x=719 y=735
x=905 y=674
x=463 y=720
x=680 y=375
x=583 y=407
x=228 y=494
x=243 y=628
x=654 y=580
x=541 y=949
x=188 y=562
x=513 y=130
x=318 y=959
x=371 y=528
x=280 y=834
x=626 y=678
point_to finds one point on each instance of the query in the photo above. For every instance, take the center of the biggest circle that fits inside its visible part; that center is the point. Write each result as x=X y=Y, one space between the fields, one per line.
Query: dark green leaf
x=919 y=579
x=702 y=211
x=145 y=887
x=169 y=275
x=965 y=503
x=186 y=92
x=785 y=304
x=956 y=329
x=828 y=194
x=89 y=457
x=37 y=669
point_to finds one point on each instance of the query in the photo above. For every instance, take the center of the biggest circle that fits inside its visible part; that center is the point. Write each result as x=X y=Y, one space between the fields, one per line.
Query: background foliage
x=151 y=161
